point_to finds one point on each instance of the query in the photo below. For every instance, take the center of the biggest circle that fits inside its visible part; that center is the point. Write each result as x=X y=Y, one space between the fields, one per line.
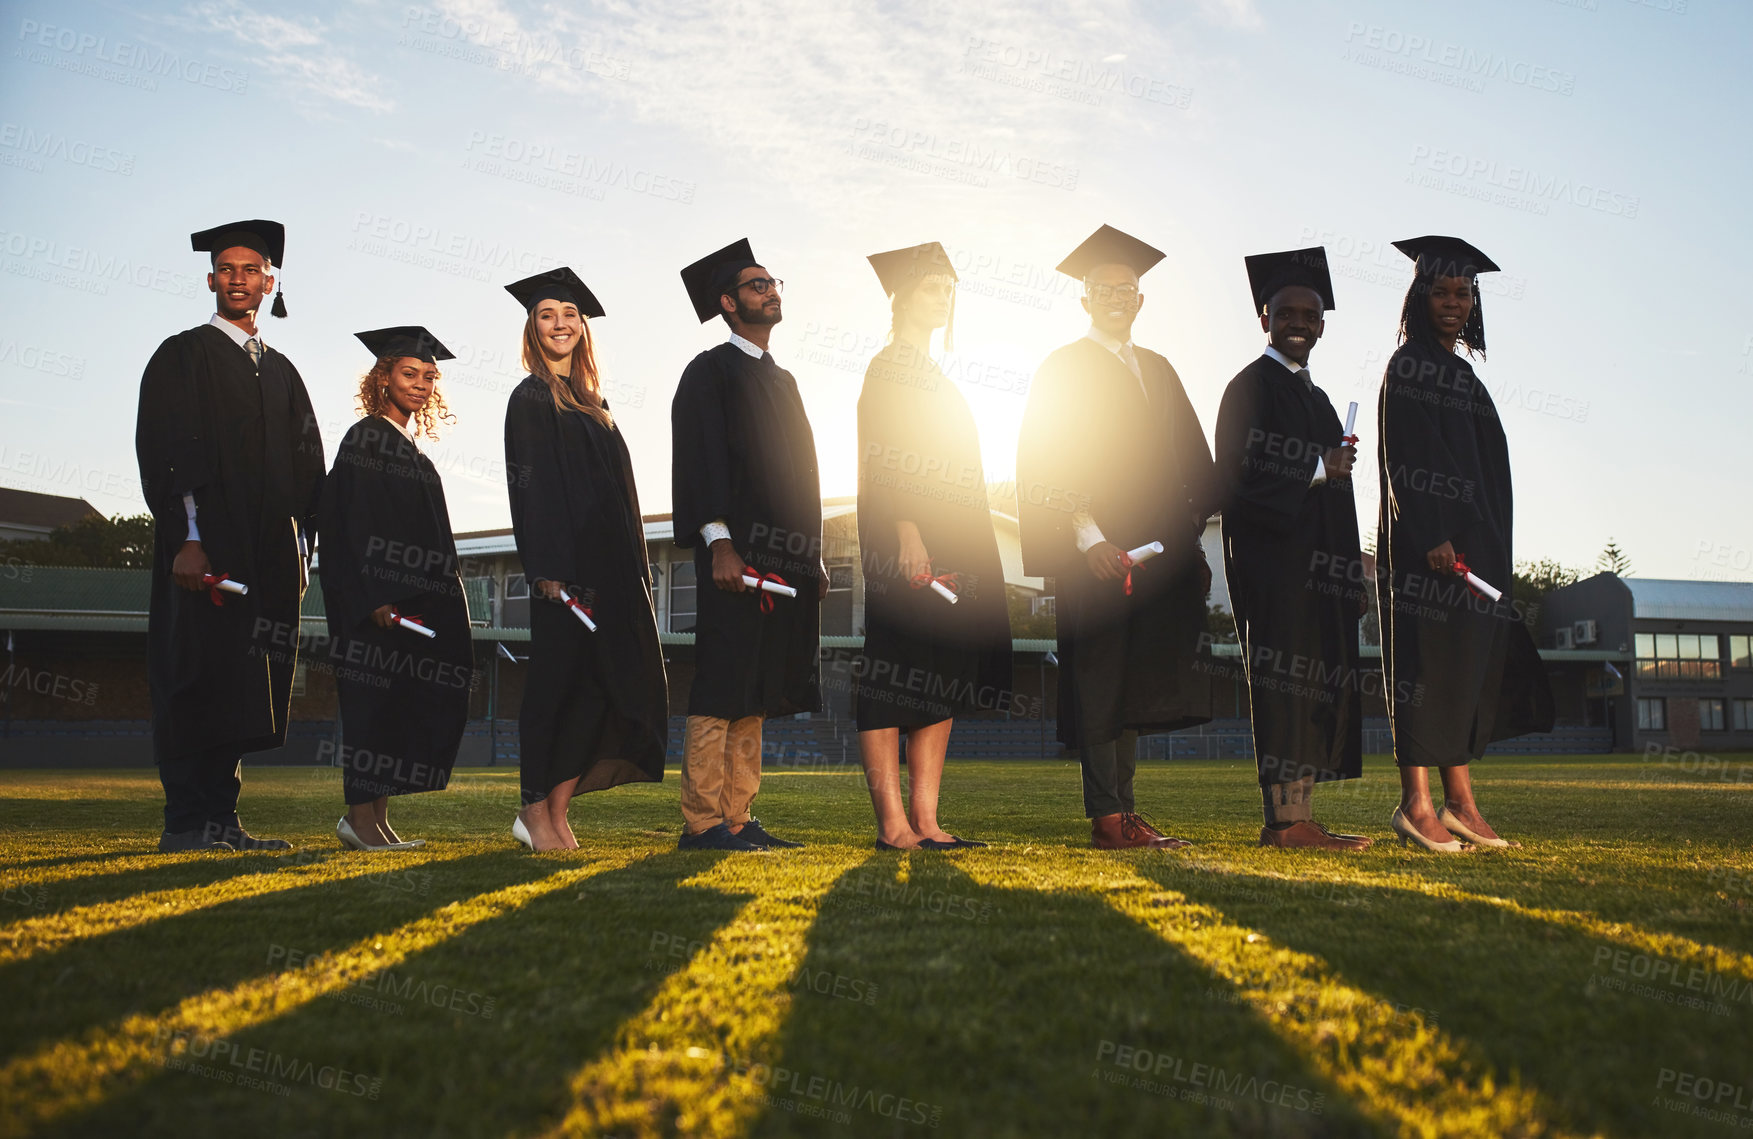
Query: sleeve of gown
x=1270 y=486
x=1049 y=471
x=1193 y=451
x=535 y=481
x=354 y=508
x=700 y=454
x=1426 y=497
x=307 y=452
x=174 y=458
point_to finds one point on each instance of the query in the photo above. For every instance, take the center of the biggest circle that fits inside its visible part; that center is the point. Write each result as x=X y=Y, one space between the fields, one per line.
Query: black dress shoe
x=934 y=844
x=179 y=841
x=239 y=839
x=754 y=832
x=716 y=838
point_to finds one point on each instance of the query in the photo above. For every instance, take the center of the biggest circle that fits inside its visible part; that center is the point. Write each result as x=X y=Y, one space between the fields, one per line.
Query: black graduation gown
x=924 y=659
x=1292 y=559
x=595 y=704
x=1460 y=671
x=387 y=541
x=1142 y=469
x=246 y=444
x=743 y=452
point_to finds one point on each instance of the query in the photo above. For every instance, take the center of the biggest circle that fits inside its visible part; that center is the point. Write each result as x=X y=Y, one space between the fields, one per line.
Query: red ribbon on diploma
x=766 y=598
x=573 y=603
x=923 y=578
x=398 y=615
x=211 y=581
x=1127 y=563
x=1462 y=568
x=1348 y=440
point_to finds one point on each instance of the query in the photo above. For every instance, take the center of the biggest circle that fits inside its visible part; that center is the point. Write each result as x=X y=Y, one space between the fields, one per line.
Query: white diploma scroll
x=577 y=611
x=1350 y=417
x=944 y=591
x=416 y=626
x=229 y=586
x=769 y=586
x=1482 y=586
x=1145 y=552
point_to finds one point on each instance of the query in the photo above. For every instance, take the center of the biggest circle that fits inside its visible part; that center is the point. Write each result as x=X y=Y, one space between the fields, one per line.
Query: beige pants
x=721 y=771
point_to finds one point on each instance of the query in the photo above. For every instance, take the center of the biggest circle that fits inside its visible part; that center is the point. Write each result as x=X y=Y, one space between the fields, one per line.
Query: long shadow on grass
x=477 y=1035
x=1004 y=1011
x=149 y=967
x=1527 y=996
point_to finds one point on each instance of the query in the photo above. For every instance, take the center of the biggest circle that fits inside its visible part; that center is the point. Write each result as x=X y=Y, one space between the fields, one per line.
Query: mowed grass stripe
x=21 y=940
x=73 y=1074
x=1411 y=1076
x=670 y=1070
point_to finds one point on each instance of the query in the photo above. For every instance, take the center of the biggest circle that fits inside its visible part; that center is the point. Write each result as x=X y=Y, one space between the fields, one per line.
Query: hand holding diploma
x=1145 y=552
x=578 y=610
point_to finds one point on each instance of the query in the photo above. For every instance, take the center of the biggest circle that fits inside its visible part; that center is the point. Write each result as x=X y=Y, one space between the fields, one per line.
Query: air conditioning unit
x=1564 y=638
x=1583 y=632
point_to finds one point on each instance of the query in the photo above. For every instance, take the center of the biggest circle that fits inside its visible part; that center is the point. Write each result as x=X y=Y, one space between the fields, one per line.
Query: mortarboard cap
x=1108 y=246
x=265 y=237
x=1270 y=272
x=404 y=340
x=560 y=284
x=1446 y=256
x=713 y=275
x=899 y=269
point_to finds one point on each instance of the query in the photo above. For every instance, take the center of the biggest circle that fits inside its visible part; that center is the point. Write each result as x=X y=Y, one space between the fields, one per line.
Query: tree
x=1025 y=625
x=1534 y=580
x=1613 y=560
x=120 y=543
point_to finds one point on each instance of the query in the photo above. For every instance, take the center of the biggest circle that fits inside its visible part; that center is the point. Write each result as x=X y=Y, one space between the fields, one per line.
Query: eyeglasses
x=762 y=285
x=1112 y=294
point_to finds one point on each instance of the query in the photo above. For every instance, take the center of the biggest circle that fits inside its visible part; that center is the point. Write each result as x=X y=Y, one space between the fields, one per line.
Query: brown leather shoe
x=1126 y=830
x=1311 y=835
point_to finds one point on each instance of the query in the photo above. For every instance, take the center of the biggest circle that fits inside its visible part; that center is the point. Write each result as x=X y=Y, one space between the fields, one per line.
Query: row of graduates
x=1111 y=458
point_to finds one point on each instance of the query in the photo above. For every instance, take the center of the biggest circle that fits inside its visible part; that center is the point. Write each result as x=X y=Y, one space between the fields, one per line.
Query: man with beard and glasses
x=747 y=500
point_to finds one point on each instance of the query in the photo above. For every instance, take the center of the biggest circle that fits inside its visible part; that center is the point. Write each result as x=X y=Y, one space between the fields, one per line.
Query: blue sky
x=423 y=154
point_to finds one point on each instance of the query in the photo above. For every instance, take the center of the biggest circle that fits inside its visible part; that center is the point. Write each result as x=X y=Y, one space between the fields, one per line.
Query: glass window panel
x=1710 y=646
x=1646 y=646
x=516 y=587
x=1741 y=652
x=683 y=596
x=1688 y=646
x=1667 y=646
x=1710 y=715
x=1744 y=715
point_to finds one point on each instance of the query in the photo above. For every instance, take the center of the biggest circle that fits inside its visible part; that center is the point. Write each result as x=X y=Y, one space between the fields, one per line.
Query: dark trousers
x=1107 y=775
x=1288 y=802
x=200 y=789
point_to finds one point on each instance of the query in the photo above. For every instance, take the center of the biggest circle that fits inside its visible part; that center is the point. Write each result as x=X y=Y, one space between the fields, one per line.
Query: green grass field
x=1598 y=981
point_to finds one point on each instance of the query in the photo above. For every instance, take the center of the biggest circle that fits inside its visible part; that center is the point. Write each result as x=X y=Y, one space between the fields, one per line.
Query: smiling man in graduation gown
x=1291 y=555
x=231 y=465
x=747 y=496
x=1112 y=457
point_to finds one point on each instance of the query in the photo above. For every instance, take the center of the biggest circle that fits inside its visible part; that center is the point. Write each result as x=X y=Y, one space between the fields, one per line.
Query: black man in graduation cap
x=231 y=466
x=1291 y=555
x=389 y=561
x=595 y=708
x=1460 y=668
x=748 y=502
x=1112 y=459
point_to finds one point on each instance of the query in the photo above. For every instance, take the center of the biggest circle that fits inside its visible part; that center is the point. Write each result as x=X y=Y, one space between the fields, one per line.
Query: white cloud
x=301 y=54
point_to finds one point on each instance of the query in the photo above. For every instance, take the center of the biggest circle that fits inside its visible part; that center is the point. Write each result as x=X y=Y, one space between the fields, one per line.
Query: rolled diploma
x=944 y=591
x=579 y=613
x=1145 y=552
x=236 y=587
x=1351 y=417
x=1480 y=584
x=416 y=627
x=769 y=586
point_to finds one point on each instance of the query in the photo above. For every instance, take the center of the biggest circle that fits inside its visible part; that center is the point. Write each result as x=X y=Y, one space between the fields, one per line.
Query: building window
x=516 y=587
x=1652 y=715
x=1710 y=715
x=1041 y=607
x=1744 y=715
x=1679 y=656
x=1740 y=651
x=683 y=597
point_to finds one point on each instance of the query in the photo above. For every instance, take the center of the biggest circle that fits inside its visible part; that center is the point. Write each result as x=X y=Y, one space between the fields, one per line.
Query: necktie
x=254 y=348
x=1130 y=359
x=1303 y=375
